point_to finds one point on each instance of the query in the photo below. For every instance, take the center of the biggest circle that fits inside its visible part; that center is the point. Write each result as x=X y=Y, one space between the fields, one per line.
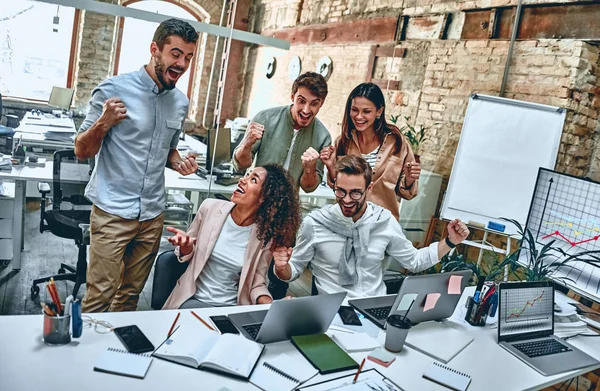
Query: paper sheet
x=431 y=301
x=407 y=299
x=454 y=285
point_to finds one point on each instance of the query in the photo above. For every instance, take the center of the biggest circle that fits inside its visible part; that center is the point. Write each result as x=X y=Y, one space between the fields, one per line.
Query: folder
x=323 y=353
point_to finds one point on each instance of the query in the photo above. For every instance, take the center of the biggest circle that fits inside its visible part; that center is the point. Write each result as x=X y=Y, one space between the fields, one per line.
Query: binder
x=446 y=376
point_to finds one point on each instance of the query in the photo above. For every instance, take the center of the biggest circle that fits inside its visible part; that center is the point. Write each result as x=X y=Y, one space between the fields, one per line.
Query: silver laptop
x=416 y=288
x=526 y=329
x=287 y=318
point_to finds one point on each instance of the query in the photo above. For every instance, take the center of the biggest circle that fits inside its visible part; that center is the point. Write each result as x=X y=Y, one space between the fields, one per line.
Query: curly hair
x=278 y=217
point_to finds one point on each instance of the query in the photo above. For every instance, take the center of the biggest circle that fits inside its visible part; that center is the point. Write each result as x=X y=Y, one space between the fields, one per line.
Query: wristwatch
x=449 y=243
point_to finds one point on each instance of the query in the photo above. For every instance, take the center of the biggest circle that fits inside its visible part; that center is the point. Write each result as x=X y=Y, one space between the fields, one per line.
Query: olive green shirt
x=274 y=145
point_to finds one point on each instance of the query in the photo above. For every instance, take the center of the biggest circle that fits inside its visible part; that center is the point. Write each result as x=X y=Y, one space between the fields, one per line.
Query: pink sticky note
x=431 y=300
x=454 y=285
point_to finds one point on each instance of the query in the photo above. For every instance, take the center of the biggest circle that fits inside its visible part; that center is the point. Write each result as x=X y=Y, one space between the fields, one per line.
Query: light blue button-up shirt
x=129 y=176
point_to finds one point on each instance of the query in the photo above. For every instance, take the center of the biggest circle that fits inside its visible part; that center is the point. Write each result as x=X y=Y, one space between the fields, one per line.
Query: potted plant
x=414 y=136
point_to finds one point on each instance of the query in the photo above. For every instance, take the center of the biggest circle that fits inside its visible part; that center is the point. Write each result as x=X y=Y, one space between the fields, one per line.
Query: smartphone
x=134 y=340
x=224 y=324
x=349 y=316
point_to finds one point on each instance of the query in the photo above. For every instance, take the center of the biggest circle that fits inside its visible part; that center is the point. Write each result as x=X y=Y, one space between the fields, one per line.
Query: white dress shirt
x=323 y=248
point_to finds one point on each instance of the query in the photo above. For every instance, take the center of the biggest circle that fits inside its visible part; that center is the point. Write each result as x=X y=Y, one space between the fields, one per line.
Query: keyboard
x=540 y=348
x=379 y=312
x=252 y=329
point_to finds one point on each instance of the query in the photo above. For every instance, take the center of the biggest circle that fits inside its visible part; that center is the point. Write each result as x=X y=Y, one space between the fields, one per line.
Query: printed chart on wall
x=566 y=209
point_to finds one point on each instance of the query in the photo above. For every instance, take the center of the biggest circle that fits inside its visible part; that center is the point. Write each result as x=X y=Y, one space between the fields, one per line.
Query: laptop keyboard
x=379 y=312
x=252 y=329
x=543 y=347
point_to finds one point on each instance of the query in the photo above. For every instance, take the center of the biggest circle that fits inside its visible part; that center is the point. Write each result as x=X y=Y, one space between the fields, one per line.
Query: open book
x=204 y=349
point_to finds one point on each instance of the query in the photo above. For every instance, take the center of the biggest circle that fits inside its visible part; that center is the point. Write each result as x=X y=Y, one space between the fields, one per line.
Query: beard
x=161 y=73
x=354 y=209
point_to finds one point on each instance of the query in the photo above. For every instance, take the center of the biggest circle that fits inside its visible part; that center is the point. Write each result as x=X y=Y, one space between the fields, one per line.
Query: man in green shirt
x=290 y=135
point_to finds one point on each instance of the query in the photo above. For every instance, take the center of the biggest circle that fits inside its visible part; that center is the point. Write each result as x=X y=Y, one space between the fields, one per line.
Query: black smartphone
x=349 y=316
x=134 y=340
x=224 y=324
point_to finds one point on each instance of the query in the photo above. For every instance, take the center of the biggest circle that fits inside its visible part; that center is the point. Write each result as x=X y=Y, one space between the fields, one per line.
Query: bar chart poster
x=565 y=210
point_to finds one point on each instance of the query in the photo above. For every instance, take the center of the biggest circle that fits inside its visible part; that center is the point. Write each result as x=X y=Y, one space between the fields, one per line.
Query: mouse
x=33 y=159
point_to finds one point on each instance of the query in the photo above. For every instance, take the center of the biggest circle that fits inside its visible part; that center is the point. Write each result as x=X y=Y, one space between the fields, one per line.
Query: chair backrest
x=0 y=107
x=70 y=176
x=167 y=271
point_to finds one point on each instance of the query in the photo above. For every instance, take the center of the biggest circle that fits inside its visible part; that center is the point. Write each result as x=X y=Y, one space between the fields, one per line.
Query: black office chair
x=167 y=271
x=12 y=121
x=70 y=214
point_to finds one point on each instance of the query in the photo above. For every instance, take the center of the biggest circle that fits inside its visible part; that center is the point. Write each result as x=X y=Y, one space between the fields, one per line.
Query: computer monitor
x=223 y=152
x=61 y=97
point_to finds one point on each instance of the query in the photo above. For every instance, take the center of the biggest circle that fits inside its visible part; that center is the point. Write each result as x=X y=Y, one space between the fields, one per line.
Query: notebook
x=368 y=380
x=281 y=373
x=201 y=348
x=121 y=362
x=323 y=353
x=356 y=342
x=446 y=376
x=438 y=340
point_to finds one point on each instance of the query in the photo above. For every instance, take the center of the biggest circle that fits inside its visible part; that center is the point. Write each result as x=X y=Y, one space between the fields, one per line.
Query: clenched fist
x=253 y=133
x=281 y=258
x=328 y=156
x=113 y=112
x=412 y=171
x=309 y=159
x=457 y=231
x=188 y=165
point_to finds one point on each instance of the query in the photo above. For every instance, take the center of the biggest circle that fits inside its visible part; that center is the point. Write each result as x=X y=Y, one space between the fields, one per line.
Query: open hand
x=185 y=242
x=457 y=231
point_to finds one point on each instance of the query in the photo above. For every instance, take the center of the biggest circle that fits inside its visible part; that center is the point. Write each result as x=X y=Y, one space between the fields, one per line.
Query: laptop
x=416 y=288
x=526 y=329
x=287 y=318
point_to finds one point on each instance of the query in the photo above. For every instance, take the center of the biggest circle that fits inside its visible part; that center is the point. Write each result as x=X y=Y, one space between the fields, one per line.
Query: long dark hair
x=278 y=217
x=373 y=93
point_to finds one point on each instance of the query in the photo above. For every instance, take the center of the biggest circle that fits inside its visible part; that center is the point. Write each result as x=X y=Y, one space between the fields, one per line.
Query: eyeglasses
x=354 y=194
x=100 y=326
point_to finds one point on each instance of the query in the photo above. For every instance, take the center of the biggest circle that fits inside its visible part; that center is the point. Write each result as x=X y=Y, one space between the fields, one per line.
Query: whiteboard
x=502 y=145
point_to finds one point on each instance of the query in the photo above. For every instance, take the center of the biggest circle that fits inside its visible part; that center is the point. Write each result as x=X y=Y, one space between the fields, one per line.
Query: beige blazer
x=206 y=228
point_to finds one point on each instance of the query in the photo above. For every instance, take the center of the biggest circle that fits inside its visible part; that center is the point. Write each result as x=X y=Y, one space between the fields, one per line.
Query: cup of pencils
x=57 y=318
x=482 y=304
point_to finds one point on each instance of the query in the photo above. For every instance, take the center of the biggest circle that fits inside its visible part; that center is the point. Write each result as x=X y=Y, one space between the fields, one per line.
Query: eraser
x=496 y=226
x=476 y=224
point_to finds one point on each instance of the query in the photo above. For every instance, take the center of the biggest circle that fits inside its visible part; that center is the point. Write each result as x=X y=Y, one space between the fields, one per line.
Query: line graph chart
x=565 y=210
x=527 y=309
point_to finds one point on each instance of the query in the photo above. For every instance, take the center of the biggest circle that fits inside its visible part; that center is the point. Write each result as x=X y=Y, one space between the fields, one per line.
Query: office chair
x=70 y=214
x=167 y=271
x=12 y=121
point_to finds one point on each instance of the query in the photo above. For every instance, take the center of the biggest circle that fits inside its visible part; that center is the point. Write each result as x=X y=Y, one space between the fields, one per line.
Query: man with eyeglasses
x=346 y=243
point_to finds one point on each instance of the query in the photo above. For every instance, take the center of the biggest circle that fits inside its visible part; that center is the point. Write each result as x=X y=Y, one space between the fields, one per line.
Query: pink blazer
x=206 y=228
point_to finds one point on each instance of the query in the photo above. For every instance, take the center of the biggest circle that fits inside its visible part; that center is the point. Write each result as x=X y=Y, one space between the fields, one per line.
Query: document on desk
x=438 y=340
x=368 y=380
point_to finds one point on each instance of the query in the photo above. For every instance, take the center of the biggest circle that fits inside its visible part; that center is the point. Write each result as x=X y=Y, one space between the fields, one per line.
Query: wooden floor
x=42 y=256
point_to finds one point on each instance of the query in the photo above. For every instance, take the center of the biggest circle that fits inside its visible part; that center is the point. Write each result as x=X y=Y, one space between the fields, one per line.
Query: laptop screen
x=526 y=310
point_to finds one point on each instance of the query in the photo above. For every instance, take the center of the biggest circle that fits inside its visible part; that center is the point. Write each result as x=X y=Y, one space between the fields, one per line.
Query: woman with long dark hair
x=230 y=244
x=366 y=133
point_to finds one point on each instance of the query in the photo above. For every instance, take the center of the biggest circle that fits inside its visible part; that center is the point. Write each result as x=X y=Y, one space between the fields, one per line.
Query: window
x=33 y=57
x=134 y=49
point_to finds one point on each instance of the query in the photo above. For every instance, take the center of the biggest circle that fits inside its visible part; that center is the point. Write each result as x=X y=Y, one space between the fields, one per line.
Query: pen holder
x=57 y=330
x=475 y=314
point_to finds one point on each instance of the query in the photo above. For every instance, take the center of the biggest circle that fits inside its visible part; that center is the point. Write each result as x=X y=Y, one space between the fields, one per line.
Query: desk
x=71 y=367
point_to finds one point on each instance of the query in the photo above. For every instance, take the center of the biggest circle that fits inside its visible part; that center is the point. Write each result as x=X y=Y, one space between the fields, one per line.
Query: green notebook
x=323 y=353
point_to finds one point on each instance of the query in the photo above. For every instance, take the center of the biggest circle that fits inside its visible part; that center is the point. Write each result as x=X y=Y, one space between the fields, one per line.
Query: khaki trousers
x=122 y=252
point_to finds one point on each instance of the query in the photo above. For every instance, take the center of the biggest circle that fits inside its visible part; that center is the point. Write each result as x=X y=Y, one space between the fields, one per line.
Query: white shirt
x=323 y=248
x=288 y=159
x=218 y=282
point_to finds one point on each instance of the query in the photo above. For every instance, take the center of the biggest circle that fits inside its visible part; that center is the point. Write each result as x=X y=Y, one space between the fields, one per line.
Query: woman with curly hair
x=230 y=244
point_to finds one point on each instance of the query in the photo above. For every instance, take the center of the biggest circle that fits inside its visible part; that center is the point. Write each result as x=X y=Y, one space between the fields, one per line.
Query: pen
x=358 y=372
x=478 y=290
x=202 y=320
x=173 y=325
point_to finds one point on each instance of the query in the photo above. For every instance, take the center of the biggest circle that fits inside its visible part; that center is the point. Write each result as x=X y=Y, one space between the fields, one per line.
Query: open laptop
x=526 y=329
x=416 y=288
x=287 y=318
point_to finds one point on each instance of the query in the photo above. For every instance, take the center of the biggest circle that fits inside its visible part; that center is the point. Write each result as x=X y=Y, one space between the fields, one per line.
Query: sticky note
x=454 y=285
x=430 y=301
x=406 y=300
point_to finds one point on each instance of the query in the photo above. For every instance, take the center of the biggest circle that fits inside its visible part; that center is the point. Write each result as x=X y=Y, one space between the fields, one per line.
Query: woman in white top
x=229 y=244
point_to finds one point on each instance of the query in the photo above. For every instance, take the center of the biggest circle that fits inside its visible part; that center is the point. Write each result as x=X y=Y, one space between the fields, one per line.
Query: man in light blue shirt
x=132 y=129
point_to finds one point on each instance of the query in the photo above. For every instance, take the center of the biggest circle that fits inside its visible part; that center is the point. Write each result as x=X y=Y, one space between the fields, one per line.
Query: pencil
x=56 y=296
x=173 y=325
x=359 y=369
x=202 y=320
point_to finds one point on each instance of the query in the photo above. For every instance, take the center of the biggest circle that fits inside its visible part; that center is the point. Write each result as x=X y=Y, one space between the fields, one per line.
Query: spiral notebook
x=121 y=362
x=281 y=373
x=446 y=376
